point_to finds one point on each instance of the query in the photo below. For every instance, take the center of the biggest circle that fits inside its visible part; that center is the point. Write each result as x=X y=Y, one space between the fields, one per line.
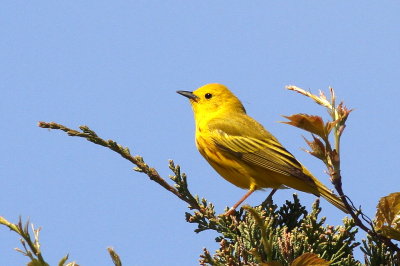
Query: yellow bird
x=242 y=151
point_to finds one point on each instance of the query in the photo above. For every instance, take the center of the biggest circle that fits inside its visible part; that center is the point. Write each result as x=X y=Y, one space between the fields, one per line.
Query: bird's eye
x=208 y=95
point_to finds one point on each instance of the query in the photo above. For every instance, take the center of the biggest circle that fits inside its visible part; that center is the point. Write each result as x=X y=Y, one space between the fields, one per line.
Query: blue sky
x=115 y=66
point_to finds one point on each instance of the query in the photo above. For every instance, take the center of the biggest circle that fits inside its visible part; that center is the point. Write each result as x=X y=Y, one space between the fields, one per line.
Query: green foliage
x=377 y=253
x=262 y=235
x=31 y=246
x=270 y=234
x=265 y=234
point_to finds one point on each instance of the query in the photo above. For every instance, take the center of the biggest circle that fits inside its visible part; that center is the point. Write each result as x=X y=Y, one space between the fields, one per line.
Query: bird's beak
x=189 y=95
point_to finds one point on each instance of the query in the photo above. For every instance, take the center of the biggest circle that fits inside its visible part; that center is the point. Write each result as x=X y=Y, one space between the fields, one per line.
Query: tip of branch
x=43 y=124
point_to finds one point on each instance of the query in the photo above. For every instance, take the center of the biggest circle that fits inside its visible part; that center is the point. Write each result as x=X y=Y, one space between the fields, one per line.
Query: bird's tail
x=326 y=193
x=332 y=198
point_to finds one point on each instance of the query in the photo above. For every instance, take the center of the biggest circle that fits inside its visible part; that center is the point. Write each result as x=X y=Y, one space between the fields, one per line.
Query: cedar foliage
x=266 y=234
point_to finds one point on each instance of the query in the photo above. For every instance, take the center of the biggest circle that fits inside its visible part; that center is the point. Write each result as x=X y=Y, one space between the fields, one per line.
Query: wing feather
x=267 y=153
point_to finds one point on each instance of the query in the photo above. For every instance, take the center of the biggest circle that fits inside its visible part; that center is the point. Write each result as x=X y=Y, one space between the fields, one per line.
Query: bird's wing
x=265 y=152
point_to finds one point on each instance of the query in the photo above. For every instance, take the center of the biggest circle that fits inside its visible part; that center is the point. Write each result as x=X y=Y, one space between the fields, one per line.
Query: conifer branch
x=180 y=190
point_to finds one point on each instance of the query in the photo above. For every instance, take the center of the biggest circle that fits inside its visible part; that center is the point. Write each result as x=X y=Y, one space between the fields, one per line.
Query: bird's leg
x=233 y=208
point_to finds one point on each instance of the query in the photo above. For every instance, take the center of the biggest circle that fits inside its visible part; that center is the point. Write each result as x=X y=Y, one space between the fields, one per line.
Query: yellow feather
x=242 y=151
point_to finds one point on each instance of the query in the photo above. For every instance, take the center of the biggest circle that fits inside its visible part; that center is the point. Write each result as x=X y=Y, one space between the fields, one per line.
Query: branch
x=180 y=190
x=331 y=156
x=33 y=249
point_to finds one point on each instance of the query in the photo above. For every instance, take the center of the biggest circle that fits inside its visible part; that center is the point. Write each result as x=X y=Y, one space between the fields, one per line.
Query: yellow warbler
x=242 y=151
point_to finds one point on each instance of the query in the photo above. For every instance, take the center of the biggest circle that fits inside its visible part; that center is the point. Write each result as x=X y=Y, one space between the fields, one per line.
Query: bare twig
x=268 y=200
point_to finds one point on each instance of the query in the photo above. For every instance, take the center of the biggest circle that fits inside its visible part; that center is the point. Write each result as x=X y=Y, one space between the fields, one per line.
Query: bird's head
x=213 y=98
